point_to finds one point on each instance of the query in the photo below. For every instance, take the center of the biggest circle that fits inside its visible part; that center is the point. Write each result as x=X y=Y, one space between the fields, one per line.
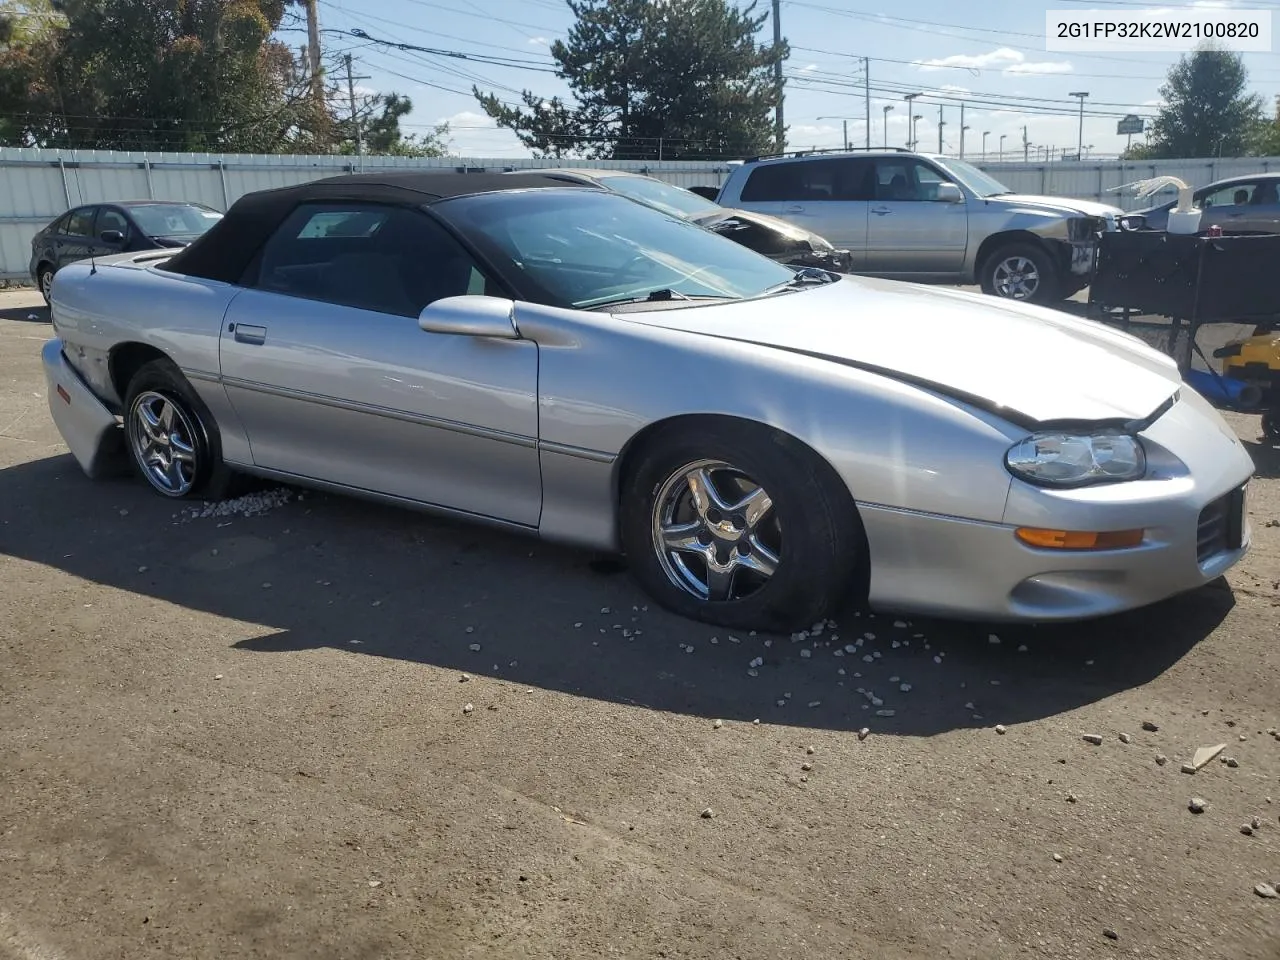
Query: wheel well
x=127 y=359
x=653 y=432
x=998 y=240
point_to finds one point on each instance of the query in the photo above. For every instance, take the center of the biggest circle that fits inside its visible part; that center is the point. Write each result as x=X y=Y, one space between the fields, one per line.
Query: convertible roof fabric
x=225 y=251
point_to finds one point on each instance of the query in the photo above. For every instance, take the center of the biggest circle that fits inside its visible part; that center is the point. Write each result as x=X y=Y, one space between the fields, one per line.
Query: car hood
x=1030 y=365
x=1065 y=206
x=781 y=227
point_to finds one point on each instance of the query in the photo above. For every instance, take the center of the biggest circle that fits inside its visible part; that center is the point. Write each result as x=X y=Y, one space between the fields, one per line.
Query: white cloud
x=809 y=69
x=952 y=88
x=473 y=134
x=540 y=41
x=1004 y=59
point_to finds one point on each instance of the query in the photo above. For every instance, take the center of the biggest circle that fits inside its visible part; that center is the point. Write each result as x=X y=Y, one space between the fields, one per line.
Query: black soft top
x=226 y=249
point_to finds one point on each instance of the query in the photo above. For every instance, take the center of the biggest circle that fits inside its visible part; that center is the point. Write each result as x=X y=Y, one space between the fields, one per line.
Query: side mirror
x=470 y=316
x=111 y=236
x=949 y=193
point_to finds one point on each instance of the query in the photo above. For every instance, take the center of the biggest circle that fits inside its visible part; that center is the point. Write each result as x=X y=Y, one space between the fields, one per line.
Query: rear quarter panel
x=123 y=302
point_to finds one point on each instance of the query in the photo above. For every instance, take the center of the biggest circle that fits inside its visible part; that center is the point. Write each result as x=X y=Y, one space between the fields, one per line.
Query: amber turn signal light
x=1079 y=539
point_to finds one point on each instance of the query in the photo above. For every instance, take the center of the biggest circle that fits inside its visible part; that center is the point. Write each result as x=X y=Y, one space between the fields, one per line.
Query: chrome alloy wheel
x=1016 y=278
x=46 y=283
x=715 y=532
x=163 y=440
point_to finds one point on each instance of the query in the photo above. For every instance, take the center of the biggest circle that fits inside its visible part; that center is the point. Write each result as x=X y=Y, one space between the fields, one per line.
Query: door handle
x=246 y=333
x=881 y=211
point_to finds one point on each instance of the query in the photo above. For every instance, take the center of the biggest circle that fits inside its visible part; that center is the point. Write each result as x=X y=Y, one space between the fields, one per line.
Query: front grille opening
x=1221 y=526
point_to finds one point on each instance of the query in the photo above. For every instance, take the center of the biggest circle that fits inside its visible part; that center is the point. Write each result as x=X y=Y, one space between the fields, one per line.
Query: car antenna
x=93 y=263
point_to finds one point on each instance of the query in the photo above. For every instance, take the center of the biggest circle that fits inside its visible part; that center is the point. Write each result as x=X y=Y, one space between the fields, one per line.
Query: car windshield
x=587 y=248
x=172 y=219
x=980 y=183
x=664 y=196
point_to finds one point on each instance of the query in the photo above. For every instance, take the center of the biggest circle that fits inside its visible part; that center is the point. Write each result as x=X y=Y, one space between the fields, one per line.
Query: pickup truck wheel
x=1021 y=271
x=741 y=527
x=44 y=279
x=172 y=437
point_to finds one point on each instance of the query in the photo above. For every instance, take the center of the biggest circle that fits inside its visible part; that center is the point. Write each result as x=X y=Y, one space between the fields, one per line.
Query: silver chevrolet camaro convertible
x=765 y=445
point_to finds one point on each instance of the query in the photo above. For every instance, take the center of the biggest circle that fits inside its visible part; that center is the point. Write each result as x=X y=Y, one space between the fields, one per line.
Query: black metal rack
x=1192 y=280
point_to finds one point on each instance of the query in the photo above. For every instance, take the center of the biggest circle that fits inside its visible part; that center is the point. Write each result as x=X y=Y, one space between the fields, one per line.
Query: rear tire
x=44 y=280
x=772 y=542
x=1271 y=427
x=172 y=438
x=1023 y=272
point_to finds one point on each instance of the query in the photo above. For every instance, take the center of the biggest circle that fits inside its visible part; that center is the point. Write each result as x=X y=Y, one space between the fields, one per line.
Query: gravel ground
x=333 y=730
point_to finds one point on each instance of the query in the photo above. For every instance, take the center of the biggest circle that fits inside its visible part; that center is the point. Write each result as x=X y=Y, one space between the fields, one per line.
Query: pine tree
x=680 y=79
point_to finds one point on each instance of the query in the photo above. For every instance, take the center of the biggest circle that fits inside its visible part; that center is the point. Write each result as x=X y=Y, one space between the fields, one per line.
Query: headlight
x=1074 y=460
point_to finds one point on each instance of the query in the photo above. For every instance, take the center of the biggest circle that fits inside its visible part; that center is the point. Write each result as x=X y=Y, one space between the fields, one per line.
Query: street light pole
x=985 y=134
x=887 y=108
x=1080 y=144
x=1002 y=136
x=911 y=135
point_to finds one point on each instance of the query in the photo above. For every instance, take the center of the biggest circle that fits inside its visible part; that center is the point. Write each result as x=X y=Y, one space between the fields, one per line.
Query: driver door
x=333 y=380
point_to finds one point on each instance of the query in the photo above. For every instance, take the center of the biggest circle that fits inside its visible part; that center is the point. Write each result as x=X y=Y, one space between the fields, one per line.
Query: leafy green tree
x=1267 y=136
x=185 y=75
x=1207 y=111
x=380 y=116
x=680 y=80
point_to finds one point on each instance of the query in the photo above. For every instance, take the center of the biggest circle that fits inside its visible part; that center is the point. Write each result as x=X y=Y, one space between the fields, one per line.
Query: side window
x=80 y=223
x=1236 y=195
x=907 y=179
x=109 y=219
x=809 y=180
x=372 y=257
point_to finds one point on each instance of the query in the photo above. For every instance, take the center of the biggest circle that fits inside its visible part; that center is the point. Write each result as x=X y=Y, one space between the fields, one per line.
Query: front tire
x=172 y=438
x=1021 y=271
x=740 y=526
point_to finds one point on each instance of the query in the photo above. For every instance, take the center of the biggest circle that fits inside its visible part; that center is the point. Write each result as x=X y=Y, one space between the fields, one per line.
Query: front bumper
x=93 y=433
x=1196 y=530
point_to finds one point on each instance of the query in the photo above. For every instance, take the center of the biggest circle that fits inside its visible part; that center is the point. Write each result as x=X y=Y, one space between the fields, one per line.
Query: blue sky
x=989 y=53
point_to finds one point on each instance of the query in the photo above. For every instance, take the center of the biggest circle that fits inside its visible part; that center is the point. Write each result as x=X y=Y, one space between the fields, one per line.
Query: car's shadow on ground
x=373 y=581
x=29 y=314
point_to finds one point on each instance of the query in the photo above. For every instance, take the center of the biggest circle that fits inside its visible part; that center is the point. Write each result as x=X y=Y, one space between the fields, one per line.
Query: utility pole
x=911 y=124
x=941 y=123
x=887 y=107
x=1002 y=136
x=866 y=89
x=779 y=133
x=963 y=128
x=355 y=117
x=985 y=134
x=313 y=54
x=845 y=124
x=1026 y=144
x=1080 y=142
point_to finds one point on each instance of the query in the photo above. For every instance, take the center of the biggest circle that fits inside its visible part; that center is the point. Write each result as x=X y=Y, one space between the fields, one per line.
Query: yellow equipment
x=1256 y=361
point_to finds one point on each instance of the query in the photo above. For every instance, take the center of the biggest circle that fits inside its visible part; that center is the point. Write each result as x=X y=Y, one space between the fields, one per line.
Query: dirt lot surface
x=246 y=736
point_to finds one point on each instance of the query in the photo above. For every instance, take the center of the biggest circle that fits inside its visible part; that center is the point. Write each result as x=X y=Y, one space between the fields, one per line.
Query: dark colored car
x=99 y=229
x=775 y=238
x=1247 y=204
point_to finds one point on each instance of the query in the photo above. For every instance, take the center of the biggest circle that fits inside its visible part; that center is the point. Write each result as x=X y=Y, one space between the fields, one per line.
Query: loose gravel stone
x=708 y=813
x=1057 y=858
x=864 y=733
x=717 y=724
x=1256 y=823
x=474 y=648
x=1125 y=738
x=469 y=708
x=810 y=750
x=904 y=687
x=1111 y=934
x=1197 y=805
x=1231 y=762
x=1001 y=729
x=806 y=653
x=806 y=766
x=464 y=678
x=1266 y=891
x=1150 y=727
x=1161 y=759
x=1072 y=798
x=1246 y=829
x=993 y=639
x=1093 y=738
x=1189 y=768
